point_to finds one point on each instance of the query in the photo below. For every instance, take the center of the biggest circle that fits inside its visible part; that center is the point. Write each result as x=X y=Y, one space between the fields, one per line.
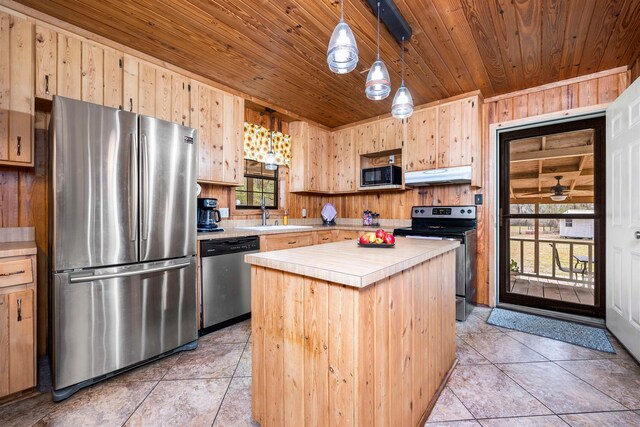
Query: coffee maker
x=208 y=215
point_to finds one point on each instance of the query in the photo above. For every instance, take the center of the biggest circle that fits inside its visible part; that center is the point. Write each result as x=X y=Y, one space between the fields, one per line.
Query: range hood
x=457 y=175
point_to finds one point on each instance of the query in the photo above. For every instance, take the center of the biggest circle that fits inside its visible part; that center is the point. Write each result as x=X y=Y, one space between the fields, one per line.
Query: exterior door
x=623 y=219
x=167 y=190
x=94 y=165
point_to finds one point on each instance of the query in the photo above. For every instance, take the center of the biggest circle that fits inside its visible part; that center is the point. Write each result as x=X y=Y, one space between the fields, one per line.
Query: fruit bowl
x=379 y=239
x=376 y=245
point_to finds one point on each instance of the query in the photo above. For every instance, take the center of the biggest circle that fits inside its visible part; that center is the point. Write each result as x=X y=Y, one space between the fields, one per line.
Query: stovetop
x=440 y=221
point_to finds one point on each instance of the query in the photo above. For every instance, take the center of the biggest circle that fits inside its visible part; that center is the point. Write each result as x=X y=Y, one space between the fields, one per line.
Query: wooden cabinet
x=312 y=159
x=344 y=161
x=76 y=68
x=276 y=242
x=448 y=135
x=321 y=237
x=421 y=148
x=348 y=235
x=391 y=134
x=368 y=138
x=219 y=119
x=17 y=324
x=16 y=90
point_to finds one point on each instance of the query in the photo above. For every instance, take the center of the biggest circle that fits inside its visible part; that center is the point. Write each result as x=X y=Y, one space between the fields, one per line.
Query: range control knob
x=468 y=211
x=461 y=211
x=415 y=211
x=421 y=210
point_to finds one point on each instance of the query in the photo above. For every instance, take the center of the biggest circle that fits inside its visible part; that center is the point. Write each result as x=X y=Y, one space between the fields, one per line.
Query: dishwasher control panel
x=215 y=247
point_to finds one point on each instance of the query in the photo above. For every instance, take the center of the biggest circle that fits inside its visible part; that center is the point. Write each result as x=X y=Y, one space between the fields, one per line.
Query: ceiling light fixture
x=270 y=159
x=402 y=106
x=378 y=84
x=342 y=53
x=559 y=197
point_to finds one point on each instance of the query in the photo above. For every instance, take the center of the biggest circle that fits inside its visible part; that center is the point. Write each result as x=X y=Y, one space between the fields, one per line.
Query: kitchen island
x=344 y=335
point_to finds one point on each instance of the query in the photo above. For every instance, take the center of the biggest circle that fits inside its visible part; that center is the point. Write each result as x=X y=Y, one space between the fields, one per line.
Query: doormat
x=572 y=333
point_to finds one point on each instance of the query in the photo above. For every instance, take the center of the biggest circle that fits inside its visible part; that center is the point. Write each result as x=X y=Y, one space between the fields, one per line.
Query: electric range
x=453 y=223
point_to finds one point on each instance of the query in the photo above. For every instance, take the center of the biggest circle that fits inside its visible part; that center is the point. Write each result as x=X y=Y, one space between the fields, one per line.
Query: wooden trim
x=557 y=84
x=48 y=21
x=17 y=234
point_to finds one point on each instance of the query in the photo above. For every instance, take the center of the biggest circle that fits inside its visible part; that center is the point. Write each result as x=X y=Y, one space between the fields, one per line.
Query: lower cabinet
x=276 y=242
x=17 y=325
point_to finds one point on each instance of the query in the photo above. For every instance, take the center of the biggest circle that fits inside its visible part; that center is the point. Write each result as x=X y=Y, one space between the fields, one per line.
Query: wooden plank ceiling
x=535 y=162
x=275 y=50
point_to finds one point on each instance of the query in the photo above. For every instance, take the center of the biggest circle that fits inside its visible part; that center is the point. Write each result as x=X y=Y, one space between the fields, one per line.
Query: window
x=258 y=182
x=568 y=223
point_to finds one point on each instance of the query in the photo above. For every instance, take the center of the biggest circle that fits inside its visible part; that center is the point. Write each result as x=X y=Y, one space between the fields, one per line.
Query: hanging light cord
x=378 y=30
x=271 y=133
x=342 y=11
x=403 y=60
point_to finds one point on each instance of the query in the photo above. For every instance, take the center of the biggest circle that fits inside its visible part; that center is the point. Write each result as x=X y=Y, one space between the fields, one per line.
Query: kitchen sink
x=275 y=227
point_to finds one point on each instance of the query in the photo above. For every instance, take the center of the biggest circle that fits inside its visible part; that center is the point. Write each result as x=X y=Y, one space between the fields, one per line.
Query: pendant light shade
x=270 y=159
x=342 y=53
x=402 y=106
x=378 y=84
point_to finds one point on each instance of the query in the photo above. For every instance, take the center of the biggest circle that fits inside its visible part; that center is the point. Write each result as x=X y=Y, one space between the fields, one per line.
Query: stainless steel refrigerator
x=122 y=241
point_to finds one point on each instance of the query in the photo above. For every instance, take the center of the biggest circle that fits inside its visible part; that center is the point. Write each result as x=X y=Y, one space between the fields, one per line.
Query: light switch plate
x=224 y=212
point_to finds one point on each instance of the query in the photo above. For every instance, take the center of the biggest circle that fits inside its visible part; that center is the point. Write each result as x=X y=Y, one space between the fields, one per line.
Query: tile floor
x=503 y=378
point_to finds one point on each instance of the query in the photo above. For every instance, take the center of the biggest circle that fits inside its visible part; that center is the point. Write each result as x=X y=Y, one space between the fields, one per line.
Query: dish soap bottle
x=285 y=218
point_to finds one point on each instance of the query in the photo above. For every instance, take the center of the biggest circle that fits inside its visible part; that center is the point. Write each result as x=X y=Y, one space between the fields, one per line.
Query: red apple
x=364 y=239
x=380 y=234
x=389 y=239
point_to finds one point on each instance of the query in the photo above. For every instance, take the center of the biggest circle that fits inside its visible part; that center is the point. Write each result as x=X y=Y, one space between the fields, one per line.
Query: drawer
x=349 y=235
x=288 y=241
x=15 y=272
x=324 y=237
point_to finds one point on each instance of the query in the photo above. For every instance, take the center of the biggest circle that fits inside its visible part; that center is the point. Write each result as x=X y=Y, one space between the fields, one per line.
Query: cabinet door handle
x=130 y=104
x=13 y=273
x=19 y=301
x=293 y=243
x=46 y=84
x=19 y=145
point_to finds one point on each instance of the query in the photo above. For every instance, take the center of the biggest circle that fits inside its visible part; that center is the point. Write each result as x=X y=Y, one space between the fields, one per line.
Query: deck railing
x=548 y=268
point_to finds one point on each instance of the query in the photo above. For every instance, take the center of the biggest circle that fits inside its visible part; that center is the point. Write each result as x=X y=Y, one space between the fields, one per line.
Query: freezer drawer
x=124 y=316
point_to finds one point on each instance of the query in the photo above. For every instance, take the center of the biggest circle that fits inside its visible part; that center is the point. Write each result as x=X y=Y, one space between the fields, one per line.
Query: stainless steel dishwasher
x=226 y=281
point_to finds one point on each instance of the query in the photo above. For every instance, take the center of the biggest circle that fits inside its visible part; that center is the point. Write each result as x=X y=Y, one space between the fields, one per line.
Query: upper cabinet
x=311 y=159
x=447 y=135
x=344 y=160
x=219 y=119
x=16 y=90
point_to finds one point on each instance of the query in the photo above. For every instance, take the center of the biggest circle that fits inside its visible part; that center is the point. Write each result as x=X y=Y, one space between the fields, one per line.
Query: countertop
x=348 y=264
x=238 y=232
x=17 y=241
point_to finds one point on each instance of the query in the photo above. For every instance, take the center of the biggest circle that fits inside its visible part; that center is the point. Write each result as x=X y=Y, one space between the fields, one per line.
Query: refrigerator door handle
x=81 y=279
x=133 y=187
x=145 y=189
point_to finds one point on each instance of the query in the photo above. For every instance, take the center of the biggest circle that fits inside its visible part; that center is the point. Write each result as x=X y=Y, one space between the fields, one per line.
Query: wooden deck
x=581 y=293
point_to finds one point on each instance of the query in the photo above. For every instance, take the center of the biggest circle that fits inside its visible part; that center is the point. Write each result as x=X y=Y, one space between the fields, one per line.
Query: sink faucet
x=265 y=212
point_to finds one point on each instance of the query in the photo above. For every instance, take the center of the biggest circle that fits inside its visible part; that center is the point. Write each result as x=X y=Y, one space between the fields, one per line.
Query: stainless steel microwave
x=384 y=175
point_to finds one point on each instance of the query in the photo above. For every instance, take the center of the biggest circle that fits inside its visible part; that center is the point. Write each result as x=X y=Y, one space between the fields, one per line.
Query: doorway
x=551 y=212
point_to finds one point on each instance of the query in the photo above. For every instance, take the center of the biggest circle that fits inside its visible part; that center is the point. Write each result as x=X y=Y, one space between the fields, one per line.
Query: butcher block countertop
x=348 y=264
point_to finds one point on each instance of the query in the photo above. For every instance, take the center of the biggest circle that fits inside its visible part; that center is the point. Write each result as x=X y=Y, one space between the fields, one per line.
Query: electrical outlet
x=478 y=199
x=392 y=159
x=224 y=212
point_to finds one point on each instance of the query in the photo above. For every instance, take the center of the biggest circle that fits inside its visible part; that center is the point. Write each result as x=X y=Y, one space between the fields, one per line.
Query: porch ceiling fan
x=558 y=192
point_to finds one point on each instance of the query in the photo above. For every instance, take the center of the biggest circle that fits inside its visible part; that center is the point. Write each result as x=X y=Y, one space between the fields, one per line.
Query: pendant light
x=270 y=159
x=402 y=106
x=342 y=53
x=378 y=84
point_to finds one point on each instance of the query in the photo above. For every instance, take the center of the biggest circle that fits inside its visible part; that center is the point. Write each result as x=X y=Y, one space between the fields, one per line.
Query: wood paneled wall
x=634 y=70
